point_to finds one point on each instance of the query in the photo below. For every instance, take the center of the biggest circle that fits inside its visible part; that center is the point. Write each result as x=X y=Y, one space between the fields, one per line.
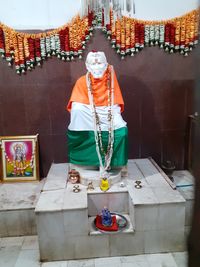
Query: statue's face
x=96 y=64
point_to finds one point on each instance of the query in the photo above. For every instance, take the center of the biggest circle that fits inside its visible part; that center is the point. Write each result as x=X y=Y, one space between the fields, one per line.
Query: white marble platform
x=17 y=205
x=156 y=211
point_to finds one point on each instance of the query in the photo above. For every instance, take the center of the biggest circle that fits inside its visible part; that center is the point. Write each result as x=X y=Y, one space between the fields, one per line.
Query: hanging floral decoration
x=25 y=51
x=129 y=36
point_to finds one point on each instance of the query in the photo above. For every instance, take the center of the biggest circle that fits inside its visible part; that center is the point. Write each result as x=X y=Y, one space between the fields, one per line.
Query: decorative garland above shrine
x=127 y=35
x=25 y=51
x=130 y=35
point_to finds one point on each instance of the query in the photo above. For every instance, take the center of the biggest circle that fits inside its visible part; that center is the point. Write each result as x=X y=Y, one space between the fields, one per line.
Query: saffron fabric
x=100 y=92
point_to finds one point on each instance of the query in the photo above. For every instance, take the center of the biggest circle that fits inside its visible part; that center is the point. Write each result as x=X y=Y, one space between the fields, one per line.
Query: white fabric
x=82 y=120
x=96 y=64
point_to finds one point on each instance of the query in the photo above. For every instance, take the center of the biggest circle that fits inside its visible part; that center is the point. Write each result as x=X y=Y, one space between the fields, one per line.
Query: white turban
x=96 y=64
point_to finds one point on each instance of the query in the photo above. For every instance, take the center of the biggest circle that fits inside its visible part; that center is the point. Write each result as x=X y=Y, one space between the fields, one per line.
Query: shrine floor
x=24 y=251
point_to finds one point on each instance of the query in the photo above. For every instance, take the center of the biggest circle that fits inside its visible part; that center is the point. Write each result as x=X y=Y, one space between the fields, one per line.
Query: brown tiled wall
x=157 y=89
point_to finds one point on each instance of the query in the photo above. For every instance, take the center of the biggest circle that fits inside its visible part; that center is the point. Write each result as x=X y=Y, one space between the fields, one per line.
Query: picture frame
x=19 y=158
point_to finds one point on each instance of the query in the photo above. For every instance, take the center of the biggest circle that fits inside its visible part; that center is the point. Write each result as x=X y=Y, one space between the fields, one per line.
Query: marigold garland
x=29 y=50
x=123 y=37
x=118 y=35
x=27 y=53
x=16 y=55
x=175 y=35
x=20 y=40
x=7 y=48
x=141 y=35
x=127 y=35
x=132 y=37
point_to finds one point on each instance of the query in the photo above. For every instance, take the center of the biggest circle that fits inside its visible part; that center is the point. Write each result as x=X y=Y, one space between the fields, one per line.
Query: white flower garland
x=152 y=35
x=48 y=46
x=97 y=129
x=53 y=44
x=43 y=47
x=146 y=34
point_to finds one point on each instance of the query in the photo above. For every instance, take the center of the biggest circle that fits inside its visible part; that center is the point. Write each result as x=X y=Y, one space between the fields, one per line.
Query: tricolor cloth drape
x=81 y=138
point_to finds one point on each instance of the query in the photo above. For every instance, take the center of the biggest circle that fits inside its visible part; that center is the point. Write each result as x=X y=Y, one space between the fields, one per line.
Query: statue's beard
x=97 y=74
x=97 y=71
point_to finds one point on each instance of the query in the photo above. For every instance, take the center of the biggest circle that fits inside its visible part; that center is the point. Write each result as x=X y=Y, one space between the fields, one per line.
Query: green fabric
x=82 y=147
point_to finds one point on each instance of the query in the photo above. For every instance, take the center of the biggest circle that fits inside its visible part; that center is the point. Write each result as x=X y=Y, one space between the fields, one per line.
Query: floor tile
x=23 y=252
x=135 y=261
x=161 y=260
x=81 y=263
x=108 y=262
x=55 y=264
x=134 y=264
x=180 y=259
x=8 y=256
x=28 y=258
x=30 y=242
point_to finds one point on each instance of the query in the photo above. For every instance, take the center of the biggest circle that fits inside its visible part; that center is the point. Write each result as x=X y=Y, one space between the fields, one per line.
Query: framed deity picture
x=19 y=160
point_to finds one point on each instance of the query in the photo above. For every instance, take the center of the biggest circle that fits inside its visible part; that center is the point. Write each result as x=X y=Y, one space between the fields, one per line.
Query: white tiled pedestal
x=156 y=213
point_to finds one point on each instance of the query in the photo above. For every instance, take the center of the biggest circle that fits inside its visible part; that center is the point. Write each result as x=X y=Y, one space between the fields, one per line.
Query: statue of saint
x=97 y=134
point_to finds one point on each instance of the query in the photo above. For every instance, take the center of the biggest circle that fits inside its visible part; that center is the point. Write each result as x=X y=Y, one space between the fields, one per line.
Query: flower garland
x=129 y=35
x=25 y=51
x=104 y=167
x=7 y=48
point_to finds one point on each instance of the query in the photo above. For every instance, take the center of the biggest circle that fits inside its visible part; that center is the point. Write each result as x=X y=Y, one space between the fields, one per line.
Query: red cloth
x=113 y=227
